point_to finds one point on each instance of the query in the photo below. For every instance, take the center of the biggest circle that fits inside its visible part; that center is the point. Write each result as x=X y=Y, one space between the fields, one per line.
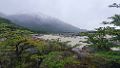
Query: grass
x=109 y=55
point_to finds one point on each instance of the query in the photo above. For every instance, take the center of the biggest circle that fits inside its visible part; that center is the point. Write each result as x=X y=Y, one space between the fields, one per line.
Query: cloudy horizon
x=85 y=14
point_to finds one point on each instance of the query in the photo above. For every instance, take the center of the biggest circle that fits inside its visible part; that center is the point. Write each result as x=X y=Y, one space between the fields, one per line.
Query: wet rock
x=32 y=50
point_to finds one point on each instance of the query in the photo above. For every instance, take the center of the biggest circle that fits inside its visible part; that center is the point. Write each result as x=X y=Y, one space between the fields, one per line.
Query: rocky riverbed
x=74 y=40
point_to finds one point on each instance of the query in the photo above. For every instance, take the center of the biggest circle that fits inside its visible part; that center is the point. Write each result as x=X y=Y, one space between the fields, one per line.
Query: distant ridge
x=41 y=22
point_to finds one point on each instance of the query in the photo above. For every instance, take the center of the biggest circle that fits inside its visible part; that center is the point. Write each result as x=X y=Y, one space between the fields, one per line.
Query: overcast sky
x=85 y=14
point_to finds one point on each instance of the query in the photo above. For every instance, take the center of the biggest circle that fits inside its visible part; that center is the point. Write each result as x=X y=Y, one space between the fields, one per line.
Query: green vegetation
x=109 y=55
x=104 y=38
x=19 y=50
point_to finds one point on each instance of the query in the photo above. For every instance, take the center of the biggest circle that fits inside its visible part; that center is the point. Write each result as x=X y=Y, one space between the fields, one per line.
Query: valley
x=23 y=47
x=59 y=34
x=72 y=40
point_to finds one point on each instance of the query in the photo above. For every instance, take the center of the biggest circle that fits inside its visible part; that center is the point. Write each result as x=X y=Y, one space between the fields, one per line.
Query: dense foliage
x=19 y=50
x=103 y=39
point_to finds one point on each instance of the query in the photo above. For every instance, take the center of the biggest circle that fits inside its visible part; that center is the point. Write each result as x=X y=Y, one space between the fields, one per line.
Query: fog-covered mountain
x=42 y=23
x=2 y=15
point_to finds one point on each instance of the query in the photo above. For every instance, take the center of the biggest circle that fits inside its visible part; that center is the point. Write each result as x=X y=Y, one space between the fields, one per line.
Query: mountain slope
x=42 y=23
x=2 y=15
x=8 y=29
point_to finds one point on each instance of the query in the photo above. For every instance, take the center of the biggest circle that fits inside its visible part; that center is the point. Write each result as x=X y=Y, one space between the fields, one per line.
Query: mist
x=85 y=14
